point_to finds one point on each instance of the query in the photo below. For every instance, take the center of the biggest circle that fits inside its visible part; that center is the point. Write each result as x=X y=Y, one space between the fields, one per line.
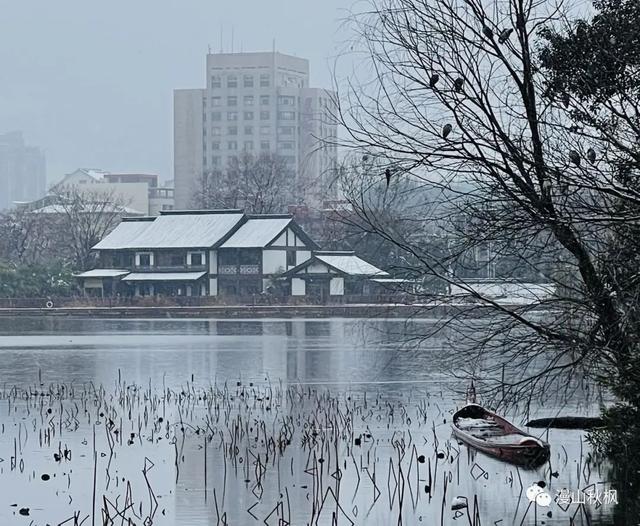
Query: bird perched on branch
x=434 y=80
x=591 y=155
x=446 y=130
x=458 y=83
x=566 y=99
x=486 y=30
x=504 y=35
x=574 y=157
x=387 y=174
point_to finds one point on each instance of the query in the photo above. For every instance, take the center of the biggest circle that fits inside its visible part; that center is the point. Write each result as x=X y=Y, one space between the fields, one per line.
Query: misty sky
x=91 y=82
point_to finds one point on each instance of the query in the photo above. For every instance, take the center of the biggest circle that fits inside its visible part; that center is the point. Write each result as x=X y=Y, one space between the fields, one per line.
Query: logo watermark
x=591 y=495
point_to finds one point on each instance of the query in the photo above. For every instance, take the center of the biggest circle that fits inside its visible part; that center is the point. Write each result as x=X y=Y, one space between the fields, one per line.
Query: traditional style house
x=197 y=253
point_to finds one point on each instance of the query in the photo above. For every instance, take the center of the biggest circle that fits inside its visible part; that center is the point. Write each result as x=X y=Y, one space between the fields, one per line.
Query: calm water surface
x=382 y=454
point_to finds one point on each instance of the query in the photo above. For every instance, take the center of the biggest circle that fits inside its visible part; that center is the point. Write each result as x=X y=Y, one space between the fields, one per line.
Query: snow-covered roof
x=164 y=276
x=123 y=235
x=349 y=264
x=257 y=232
x=95 y=173
x=102 y=273
x=174 y=230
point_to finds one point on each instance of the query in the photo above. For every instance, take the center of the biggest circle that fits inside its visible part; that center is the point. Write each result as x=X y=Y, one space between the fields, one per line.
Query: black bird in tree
x=387 y=174
x=458 y=83
x=487 y=32
x=574 y=157
x=434 y=80
x=591 y=155
x=504 y=35
x=446 y=130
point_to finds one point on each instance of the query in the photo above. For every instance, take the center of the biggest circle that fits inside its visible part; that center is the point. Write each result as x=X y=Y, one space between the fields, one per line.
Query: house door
x=318 y=289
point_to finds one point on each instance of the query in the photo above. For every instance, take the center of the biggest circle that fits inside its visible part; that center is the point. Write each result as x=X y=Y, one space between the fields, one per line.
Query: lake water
x=198 y=422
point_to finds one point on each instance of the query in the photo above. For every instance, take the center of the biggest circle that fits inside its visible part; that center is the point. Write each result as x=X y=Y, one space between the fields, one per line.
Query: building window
x=216 y=101
x=286 y=100
x=215 y=145
x=289 y=159
x=265 y=115
x=232 y=101
x=265 y=80
x=232 y=116
x=248 y=146
x=265 y=130
x=247 y=81
x=215 y=161
x=232 y=81
x=285 y=130
x=177 y=260
x=248 y=130
x=265 y=145
x=144 y=259
x=248 y=115
x=232 y=130
x=232 y=145
x=286 y=145
x=291 y=258
x=265 y=100
x=248 y=100
x=197 y=259
x=216 y=116
x=216 y=81
x=287 y=115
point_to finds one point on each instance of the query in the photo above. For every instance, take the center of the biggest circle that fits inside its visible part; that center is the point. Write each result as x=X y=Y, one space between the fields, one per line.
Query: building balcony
x=233 y=270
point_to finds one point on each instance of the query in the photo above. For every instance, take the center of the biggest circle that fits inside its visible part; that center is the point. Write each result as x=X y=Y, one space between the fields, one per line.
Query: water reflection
x=353 y=359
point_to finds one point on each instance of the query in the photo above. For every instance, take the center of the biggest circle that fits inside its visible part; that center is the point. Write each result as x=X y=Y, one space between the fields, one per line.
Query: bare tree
x=24 y=237
x=258 y=184
x=460 y=102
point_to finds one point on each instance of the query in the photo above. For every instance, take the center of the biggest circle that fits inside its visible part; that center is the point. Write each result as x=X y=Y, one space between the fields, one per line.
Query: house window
x=265 y=130
x=216 y=101
x=248 y=100
x=216 y=131
x=216 y=81
x=265 y=115
x=248 y=115
x=285 y=130
x=233 y=145
x=248 y=146
x=291 y=258
x=265 y=80
x=286 y=145
x=144 y=259
x=265 y=100
x=287 y=115
x=248 y=130
x=232 y=116
x=215 y=145
x=265 y=145
x=232 y=130
x=215 y=161
x=286 y=100
x=247 y=81
x=216 y=116
x=232 y=101
x=197 y=259
x=232 y=81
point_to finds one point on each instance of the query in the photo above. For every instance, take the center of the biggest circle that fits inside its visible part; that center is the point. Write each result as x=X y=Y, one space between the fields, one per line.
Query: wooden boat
x=493 y=435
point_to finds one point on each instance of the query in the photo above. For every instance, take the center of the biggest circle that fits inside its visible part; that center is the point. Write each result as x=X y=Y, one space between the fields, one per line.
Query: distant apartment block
x=255 y=102
x=22 y=171
x=139 y=193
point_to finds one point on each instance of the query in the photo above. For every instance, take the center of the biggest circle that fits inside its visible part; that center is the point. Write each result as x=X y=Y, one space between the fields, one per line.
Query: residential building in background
x=137 y=192
x=255 y=102
x=22 y=170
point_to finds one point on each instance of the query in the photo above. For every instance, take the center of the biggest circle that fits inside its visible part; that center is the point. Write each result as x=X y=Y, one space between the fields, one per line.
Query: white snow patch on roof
x=350 y=264
x=164 y=276
x=102 y=273
x=123 y=235
x=257 y=232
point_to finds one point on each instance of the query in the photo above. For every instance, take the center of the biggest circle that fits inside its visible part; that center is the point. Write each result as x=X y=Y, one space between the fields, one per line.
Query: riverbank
x=260 y=311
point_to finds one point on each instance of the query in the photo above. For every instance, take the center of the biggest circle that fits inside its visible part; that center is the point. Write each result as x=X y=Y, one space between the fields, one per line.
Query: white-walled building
x=135 y=191
x=254 y=102
x=220 y=252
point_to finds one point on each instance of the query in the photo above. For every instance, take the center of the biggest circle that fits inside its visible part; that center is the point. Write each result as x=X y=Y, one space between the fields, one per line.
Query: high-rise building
x=22 y=170
x=255 y=102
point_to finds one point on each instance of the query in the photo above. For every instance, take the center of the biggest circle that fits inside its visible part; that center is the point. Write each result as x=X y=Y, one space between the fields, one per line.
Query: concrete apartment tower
x=22 y=171
x=255 y=102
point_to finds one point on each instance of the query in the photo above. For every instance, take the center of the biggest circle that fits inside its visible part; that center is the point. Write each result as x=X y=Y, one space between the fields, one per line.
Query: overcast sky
x=91 y=82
